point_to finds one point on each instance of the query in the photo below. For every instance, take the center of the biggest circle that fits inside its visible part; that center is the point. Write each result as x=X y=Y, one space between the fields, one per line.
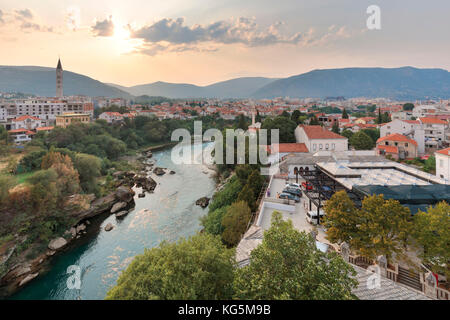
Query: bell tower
x=59 y=80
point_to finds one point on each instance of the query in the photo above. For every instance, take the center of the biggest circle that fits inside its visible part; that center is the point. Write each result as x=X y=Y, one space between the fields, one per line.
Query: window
x=441 y=163
x=333 y=146
x=327 y=146
x=386 y=143
x=406 y=144
x=320 y=146
x=314 y=146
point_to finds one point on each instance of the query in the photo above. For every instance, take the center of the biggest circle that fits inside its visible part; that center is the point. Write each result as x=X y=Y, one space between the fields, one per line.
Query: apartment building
x=67 y=119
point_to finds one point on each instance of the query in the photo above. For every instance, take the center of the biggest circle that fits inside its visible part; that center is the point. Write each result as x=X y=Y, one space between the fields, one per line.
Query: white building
x=443 y=164
x=111 y=117
x=423 y=111
x=434 y=131
x=26 y=122
x=317 y=138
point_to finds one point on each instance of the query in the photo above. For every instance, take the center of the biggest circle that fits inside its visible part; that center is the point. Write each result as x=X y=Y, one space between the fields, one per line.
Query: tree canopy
x=191 y=269
x=287 y=265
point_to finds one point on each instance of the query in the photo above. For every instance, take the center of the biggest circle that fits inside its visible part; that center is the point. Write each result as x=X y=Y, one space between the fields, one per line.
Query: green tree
x=347 y=133
x=313 y=121
x=344 y=114
x=197 y=268
x=361 y=141
x=341 y=219
x=287 y=265
x=212 y=222
x=335 y=127
x=430 y=165
x=247 y=194
x=89 y=169
x=432 y=232
x=285 y=126
x=408 y=106
x=242 y=124
x=384 y=227
x=235 y=222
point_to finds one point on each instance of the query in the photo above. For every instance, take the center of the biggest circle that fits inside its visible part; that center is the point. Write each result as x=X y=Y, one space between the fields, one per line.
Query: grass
x=20 y=178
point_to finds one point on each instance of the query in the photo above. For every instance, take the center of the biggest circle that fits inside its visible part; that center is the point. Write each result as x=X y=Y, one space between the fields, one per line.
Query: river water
x=170 y=213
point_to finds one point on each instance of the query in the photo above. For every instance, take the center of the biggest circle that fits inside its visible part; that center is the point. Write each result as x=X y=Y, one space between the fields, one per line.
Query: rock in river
x=121 y=214
x=159 y=171
x=109 y=227
x=118 y=206
x=57 y=243
x=124 y=194
x=28 y=278
x=202 y=202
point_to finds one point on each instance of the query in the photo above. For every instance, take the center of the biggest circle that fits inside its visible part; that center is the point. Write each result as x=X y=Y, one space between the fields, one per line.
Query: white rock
x=28 y=278
x=57 y=243
x=118 y=206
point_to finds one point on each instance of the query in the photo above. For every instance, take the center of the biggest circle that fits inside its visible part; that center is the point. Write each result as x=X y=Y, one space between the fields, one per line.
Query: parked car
x=311 y=216
x=289 y=196
x=294 y=191
x=292 y=185
x=307 y=185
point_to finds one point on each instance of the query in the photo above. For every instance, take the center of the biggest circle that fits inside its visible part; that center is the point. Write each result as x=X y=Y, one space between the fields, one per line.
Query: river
x=171 y=213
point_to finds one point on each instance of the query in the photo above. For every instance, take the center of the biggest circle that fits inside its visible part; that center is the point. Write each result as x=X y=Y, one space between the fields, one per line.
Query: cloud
x=103 y=28
x=24 y=14
x=242 y=30
x=73 y=18
x=24 y=19
x=172 y=35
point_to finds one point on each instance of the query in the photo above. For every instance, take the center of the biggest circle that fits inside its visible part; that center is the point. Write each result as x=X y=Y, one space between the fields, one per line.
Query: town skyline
x=203 y=43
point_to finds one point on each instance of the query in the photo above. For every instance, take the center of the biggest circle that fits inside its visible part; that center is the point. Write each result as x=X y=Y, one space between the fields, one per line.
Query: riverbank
x=19 y=269
x=168 y=213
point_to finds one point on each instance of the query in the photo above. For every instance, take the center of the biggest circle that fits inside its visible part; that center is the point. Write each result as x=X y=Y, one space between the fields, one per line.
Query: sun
x=121 y=37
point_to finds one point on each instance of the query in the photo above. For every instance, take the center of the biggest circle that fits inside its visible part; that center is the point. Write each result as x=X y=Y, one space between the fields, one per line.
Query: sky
x=204 y=41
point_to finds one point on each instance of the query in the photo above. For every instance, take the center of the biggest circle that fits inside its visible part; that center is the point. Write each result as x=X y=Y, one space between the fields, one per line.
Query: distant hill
x=406 y=83
x=234 y=88
x=397 y=83
x=41 y=81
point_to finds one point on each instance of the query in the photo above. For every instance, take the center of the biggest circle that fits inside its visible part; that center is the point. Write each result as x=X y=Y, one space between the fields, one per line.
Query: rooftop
x=397 y=137
x=445 y=152
x=319 y=132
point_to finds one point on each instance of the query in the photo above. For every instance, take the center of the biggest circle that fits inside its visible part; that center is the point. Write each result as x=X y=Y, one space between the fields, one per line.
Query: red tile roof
x=318 y=132
x=411 y=121
x=22 y=118
x=396 y=137
x=432 y=121
x=288 y=148
x=445 y=152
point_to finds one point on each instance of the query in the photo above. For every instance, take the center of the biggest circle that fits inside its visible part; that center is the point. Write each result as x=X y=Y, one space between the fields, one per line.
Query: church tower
x=59 y=80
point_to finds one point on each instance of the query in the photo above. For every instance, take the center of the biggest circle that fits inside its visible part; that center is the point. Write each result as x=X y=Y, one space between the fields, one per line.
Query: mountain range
x=405 y=83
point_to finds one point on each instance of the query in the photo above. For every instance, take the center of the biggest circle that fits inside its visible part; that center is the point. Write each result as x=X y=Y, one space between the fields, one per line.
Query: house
x=365 y=120
x=398 y=146
x=25 y=122
x=443 y=164
x=111 y=117
x=409 y=128
x=21 y=135
x=67 y=119
x=317 y=138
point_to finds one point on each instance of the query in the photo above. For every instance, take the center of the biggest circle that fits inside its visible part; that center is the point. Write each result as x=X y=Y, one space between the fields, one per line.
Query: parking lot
x=297 y=214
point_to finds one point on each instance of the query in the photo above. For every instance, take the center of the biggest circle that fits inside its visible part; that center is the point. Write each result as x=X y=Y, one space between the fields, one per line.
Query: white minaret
x=59 y=80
